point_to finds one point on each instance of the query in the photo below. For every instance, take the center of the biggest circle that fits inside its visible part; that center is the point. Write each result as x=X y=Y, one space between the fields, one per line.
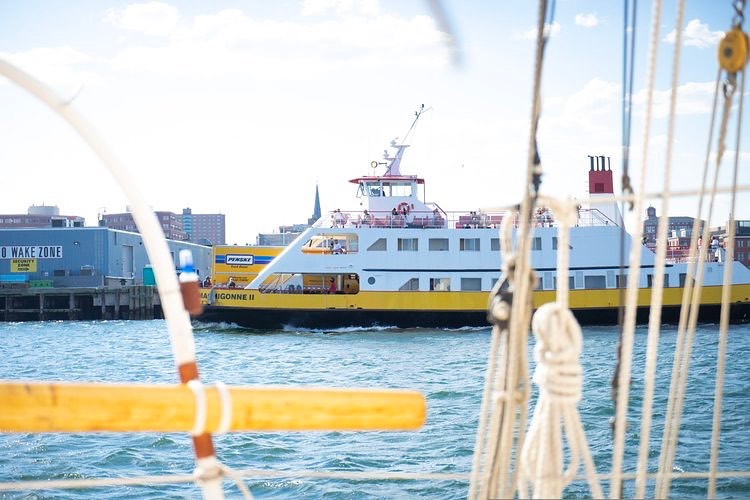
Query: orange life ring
x=402 y=206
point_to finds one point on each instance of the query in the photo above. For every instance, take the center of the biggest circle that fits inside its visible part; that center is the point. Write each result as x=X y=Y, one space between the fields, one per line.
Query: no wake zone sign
x=32 y=252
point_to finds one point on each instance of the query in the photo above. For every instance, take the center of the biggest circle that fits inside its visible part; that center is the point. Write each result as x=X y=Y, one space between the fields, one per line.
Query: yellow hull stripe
x=449 y=301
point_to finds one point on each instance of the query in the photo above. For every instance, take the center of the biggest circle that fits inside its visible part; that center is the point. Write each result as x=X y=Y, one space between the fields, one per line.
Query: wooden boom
x=85 y=407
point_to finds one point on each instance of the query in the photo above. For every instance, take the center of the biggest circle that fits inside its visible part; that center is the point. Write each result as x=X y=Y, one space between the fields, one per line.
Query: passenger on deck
x=332 y=286
x=207 y=282
x=337 y=248
x=474 y=219
x=231 y=283
x=366 y=219
x=338 y=218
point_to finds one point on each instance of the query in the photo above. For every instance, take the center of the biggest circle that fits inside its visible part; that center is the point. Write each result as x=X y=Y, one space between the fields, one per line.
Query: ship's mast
x=394 y=162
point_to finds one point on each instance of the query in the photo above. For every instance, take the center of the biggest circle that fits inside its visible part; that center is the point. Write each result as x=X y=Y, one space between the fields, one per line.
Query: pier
x=79 y=303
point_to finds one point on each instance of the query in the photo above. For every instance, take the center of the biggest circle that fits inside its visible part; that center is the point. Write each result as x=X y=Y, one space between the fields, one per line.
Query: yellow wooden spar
x=84 y=407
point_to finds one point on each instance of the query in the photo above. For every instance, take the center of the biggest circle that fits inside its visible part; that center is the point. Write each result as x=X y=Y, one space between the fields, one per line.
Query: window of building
x=495 y=244
x=469 y=244
x=438 y=244
x=408 y=244
x=411 y=284
x=536 y=244
x=471 y=284
x=380 y=245
x=440 y=284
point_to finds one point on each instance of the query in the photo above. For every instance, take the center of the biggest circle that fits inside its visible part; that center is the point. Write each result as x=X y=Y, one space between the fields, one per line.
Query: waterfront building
x=83 y=257
x=679 y=233
x=41 y=216
x=170 y=222
x=741 y=240
x=204 y=229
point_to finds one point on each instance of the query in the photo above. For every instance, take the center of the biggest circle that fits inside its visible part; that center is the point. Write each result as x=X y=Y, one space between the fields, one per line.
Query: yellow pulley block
x=733 y=50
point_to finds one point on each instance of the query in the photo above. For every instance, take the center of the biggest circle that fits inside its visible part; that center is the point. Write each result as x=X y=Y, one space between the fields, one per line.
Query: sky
x=243 y=107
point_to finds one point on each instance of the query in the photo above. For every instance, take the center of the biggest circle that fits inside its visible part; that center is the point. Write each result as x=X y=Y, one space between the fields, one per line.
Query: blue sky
x=240 y=107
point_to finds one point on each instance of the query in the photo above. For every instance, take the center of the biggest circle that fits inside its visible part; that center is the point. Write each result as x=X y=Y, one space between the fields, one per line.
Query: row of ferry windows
x=546 y=282
x=348 y=243
x=443 y=245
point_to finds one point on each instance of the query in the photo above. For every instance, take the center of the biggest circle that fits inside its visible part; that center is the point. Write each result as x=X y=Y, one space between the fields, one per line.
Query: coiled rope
x=559 y=377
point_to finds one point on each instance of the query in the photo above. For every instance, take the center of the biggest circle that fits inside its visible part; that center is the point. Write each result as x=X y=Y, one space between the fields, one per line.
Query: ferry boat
x=405 y=262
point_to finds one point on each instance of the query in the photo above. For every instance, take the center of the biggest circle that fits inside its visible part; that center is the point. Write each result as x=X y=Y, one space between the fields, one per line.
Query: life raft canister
x=402 y=206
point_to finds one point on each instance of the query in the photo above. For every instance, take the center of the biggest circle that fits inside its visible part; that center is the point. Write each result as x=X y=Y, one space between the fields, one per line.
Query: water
x=446 y=366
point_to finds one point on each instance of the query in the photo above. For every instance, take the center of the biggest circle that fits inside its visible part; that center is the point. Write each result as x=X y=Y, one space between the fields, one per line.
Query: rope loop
x=201 y=411
x=226 y=408
x=558 y=372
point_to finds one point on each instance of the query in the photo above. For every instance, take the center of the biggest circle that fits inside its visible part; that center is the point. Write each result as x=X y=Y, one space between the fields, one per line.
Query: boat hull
x=275 y=318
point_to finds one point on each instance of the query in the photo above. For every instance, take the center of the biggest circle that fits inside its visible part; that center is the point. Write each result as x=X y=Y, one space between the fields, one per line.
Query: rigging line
x=498 y=311
x=686 y=333
x=510 y=421
x=443 y=21
x=724 y=317
x=628 y=64
x=628 y=70
x=417 y=114
x=653 y=338
x=621 y=377
x=658 y=278
x=55 y=484
x=725 y=298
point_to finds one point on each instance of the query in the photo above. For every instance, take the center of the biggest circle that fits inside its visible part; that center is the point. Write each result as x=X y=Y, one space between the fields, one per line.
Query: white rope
x=651 y=353
x=559 y=377
x=686 y=332
x=201 y=411
x=496 y=399
x=724 y=317
x=226 y=408
x=59 y=484
x=509 y=420
x=498 y=348
x=633 y=282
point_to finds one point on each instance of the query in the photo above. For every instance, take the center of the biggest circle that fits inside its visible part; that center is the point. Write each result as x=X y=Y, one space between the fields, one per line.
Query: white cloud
x=153 y=18
x=587 y=20
x=693 y=98
x=550 y=30
x=232 y=42
x=340 y=7
x=596 y=99
x=696 y=34
x=54 y=65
